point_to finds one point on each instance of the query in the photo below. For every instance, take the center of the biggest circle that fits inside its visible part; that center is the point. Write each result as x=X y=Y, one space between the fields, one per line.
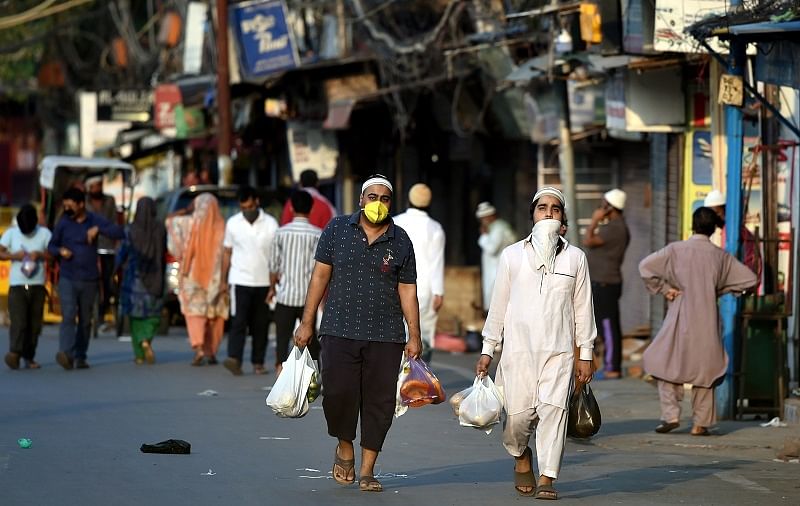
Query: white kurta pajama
x=540 y=317
x=428 y=239
x=497 y=237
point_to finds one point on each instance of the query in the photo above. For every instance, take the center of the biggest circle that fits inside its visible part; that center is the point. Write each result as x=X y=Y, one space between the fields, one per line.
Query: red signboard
x=167 y=97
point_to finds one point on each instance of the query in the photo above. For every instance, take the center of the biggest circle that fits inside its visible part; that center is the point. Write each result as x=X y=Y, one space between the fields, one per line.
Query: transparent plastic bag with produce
x=482 y=407
x=293 y=390
x=420 y=386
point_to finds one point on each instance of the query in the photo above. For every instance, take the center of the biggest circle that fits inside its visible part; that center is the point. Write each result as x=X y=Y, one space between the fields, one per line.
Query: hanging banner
x=673 y=16
x=543 y=115
x=312 y=147
x=265 y=43
x=167 y=97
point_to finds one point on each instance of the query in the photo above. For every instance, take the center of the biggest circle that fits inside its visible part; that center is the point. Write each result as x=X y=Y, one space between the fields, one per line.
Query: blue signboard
x=265 y=42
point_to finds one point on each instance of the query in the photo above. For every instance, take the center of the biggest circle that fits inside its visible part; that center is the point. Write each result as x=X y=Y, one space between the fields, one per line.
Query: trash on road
x=170 y=446
x=24 y=442
x=775 y=422
x=124 y=339
x=209 y=473
x=208 y=393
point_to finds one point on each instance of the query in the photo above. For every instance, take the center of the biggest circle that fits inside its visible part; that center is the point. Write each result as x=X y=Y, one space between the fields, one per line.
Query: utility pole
x=566 y=161
x=224 y=128
x=566 y=154
x=729 y=309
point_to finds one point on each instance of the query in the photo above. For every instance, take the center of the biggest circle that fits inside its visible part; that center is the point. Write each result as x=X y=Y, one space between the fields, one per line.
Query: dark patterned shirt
x=363 y=302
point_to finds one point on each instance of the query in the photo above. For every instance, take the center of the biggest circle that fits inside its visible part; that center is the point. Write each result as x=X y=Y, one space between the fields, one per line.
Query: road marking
x=274 y=438
x=740 y=480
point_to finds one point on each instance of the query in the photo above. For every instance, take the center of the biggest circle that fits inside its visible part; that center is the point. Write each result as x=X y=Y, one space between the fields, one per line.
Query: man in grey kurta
x=691 y=274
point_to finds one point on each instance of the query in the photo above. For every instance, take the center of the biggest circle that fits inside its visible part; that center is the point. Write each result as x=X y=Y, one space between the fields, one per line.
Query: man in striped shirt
x=291 y=264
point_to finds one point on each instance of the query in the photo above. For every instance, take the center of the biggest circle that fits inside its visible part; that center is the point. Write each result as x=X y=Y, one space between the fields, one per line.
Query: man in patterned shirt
x=369 y=265
x=290 y=266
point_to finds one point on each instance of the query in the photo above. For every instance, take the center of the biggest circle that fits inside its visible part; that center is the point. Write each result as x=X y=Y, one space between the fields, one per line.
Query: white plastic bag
x=455 y=399
x=481 y=408
x=288 y=397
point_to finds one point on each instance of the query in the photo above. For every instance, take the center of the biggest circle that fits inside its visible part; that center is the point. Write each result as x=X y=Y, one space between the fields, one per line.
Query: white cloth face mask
x=544 y=238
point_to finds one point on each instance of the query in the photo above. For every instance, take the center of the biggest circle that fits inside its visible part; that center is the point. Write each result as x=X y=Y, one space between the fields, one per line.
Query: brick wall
x=462 y=289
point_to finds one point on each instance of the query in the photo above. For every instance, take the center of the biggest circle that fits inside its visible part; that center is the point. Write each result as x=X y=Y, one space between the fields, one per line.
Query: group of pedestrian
x=381 y=283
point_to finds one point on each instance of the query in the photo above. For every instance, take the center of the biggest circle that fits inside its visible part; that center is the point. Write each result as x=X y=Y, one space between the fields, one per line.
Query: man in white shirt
x=541 y=310
x=496 y=234
x=428 y=239
x=25 y=245
x=248 y=242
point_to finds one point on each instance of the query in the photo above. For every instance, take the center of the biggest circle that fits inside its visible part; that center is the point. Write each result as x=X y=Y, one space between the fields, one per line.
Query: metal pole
x=725 y=395
x=224 y=128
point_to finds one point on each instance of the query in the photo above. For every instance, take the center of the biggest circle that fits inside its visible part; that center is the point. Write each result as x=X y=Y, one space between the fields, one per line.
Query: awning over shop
x=768 y=27
x=538 y=67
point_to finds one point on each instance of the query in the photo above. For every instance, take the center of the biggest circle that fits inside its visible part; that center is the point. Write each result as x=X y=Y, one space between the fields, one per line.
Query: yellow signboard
x=696 y=176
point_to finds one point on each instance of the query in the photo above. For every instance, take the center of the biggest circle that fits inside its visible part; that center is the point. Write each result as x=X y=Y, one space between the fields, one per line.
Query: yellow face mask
x=376 y=211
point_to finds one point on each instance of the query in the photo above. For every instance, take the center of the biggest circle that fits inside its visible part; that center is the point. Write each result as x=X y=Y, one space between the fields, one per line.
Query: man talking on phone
x=606 y=240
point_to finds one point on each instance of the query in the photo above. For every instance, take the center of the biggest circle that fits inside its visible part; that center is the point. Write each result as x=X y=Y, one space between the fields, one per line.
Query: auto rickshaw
x=59 y=173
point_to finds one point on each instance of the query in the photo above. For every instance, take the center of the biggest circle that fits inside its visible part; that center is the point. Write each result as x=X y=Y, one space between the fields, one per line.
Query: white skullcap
x=377 y=179
x=93 y=180
x=485 y=209
x=714 y=198
x=616 y=198
x=553 y=192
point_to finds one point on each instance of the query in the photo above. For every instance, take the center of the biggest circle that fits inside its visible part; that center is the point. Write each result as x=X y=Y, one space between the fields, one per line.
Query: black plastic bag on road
x=173 y=446
x=584 y=414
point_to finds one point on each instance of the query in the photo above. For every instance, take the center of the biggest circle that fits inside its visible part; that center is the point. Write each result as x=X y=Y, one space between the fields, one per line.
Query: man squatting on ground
x=369 y=264
x=541 y=309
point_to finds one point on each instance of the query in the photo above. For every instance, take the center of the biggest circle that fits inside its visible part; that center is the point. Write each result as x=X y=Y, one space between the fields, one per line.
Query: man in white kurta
x=541 y=310
x=496 y=234
x=428 y=239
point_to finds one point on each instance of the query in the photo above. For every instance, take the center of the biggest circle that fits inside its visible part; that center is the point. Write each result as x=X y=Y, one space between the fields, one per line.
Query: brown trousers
x=671 y=395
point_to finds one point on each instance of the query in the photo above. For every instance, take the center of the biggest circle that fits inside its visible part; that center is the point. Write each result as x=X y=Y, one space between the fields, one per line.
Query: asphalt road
x=87 y=426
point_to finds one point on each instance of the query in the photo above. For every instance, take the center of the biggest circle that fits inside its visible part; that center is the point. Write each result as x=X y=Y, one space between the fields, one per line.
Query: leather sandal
x=369 y=484
x=346 y=465
x=149 y=355
x=665 y=427
x=547 y=493
x=525 y=479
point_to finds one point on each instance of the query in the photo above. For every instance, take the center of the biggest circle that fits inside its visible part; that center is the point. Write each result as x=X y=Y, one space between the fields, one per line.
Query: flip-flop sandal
x=665 y=427
x=369 y=484
x=525 y=479
x=149 y=355
x=345 y=465
x=703 y=432
x=547 y=493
